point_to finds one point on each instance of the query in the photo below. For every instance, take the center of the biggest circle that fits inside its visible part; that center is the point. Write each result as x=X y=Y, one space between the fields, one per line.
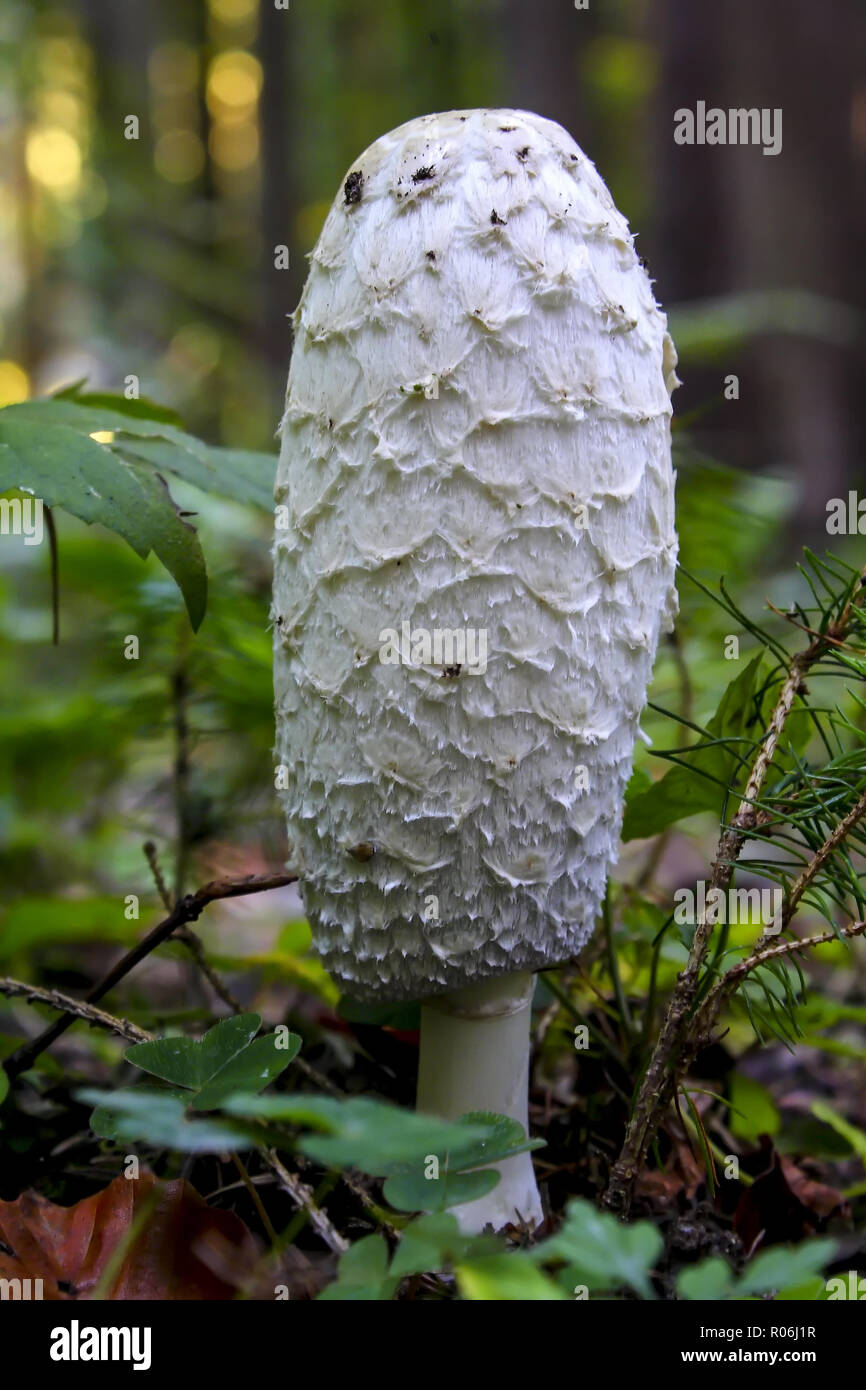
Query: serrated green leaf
x=62 y=465
x=138 y=407
x=67 y=468
x=239 y=474
x=152 y=434
x=174 y=542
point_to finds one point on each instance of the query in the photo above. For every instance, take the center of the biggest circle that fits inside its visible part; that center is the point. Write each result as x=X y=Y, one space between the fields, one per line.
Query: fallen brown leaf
x=784 y=1203
x=180 y=1248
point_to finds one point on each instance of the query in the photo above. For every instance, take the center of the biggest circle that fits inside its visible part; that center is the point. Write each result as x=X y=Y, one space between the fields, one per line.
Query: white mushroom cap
x=476 y=437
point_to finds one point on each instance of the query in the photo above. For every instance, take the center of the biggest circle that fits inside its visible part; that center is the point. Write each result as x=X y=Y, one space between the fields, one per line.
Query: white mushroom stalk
x=474 y=559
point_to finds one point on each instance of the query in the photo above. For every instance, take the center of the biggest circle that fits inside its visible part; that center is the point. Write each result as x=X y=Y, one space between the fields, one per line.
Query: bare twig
x=151 y=854
x=187 y=936
x=186 y=909
x=74 y=1007
x=302 y=1196
x=179 y=699
x=193 y=943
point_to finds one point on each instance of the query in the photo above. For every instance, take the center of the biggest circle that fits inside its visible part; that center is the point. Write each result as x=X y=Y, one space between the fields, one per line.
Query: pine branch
x=672 y=1049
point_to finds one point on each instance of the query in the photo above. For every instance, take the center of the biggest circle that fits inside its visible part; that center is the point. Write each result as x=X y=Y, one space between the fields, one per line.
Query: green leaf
x=810 y=1291
x=856 y=1137
x=805 y=1134
x=360 y=1133
x=506 y=1278
x=753 y=1110
x=174 y=542
x=185 y=1062
x=110 y=1122
x=504 y=1138
x=62 y=465
x=151 y=434
x=363 y=1274
x=239 y=474
x=146 y=1115
x=699 y=784
x=711 y=329
x=435 y=1242
x=412 y=1191
x=710 y=1281
x=139 y=408
x=249 y=1072
x=601 y=1252
x=29 y=924
x=785 y=1271
x=785 y=1267
x=376 y=1138
x=4 y=1085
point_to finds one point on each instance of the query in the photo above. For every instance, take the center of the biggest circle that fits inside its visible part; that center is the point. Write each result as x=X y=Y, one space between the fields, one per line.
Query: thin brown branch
x=732 y=978
x=186 y=909
x=817 y=862
x=180 y=779
x=151 y=854
x=193 y=943
x=302 y=1196
x=53 y=999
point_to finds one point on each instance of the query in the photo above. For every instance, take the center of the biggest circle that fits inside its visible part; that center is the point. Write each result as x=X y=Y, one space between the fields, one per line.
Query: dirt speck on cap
x=352 y=187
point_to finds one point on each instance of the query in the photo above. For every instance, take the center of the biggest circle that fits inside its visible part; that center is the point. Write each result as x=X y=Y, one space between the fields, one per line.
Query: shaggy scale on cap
x=476 y=436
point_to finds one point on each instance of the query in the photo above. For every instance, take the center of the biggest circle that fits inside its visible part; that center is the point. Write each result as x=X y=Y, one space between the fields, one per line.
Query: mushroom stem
x=475 y=1056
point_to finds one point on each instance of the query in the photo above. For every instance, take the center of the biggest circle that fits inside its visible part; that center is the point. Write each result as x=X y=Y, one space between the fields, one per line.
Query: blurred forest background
x=160 y=257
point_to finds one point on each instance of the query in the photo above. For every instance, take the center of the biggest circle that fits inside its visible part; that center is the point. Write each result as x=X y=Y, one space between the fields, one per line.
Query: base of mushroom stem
x=474 y=1055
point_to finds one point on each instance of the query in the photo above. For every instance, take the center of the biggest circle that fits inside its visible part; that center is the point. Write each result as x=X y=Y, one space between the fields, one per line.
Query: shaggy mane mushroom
x=475 y=561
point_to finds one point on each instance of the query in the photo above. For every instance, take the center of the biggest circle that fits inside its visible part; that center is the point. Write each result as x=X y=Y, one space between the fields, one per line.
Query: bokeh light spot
x=179 y=156
x=14 y=383
x=54 y=159
x=234 y=147
x=234 y=82
x=173 y=68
